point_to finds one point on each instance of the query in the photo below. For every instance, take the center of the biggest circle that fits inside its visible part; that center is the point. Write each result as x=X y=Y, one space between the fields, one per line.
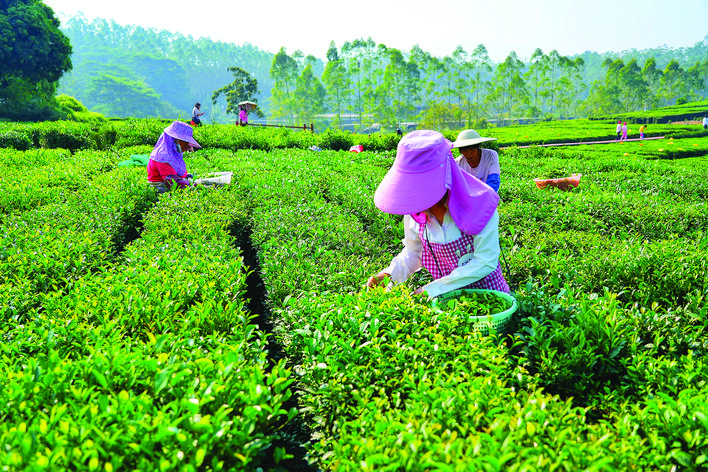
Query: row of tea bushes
x=625 y=228
x=390 y=383
x=146 y=359
x=37 y=177
x=74 y=136
x=675 y=113
x=134 y=132
x=581 y=131
x=304 y=241
x=68 y=135
x=386 y=382
x=583 y=380
x=48 y=247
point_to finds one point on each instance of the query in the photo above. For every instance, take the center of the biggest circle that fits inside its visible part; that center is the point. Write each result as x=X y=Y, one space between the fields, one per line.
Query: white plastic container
x=215 y=178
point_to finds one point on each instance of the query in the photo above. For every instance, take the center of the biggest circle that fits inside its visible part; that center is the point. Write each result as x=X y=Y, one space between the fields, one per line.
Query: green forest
x=120 y=71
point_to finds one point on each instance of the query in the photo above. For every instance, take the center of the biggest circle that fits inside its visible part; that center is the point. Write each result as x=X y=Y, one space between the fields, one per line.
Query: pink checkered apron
x=449 y=256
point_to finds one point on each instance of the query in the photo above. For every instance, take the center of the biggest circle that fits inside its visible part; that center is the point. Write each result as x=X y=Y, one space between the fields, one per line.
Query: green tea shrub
x=129 y=340
x=63 y=134
x=580 y=351
x=336 y=140
x=104 y=136
x=15 y=139
x=172 y=403
x=134 y=132
x=676 y=428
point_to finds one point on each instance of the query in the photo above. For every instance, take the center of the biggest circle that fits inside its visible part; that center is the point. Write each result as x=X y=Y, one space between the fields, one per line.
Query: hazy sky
x=437 y=26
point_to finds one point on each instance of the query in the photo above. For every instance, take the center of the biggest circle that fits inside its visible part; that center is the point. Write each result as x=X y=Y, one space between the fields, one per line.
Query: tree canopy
x=34 y=54
x=364 y=86
x=243 y=88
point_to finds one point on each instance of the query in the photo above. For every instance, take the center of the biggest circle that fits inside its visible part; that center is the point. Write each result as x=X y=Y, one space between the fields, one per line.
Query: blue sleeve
x=494 y=181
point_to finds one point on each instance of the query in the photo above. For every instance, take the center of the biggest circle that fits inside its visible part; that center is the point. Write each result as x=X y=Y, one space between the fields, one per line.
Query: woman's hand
x=377 y=280
x=420 y=291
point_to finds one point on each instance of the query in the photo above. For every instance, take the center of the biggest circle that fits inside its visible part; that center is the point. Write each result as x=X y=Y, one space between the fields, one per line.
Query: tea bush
x=16 y=140
x=578 y=345
x=129 y=340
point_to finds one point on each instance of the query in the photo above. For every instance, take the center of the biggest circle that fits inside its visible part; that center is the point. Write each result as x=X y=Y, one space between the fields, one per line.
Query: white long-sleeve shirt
x=484 y=262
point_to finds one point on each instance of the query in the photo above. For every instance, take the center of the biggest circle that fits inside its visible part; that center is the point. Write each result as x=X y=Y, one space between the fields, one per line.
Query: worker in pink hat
x=450 y=219
x=166 y=166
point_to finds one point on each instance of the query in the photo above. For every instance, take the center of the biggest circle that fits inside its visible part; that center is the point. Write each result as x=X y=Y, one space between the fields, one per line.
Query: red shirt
x=157 y=171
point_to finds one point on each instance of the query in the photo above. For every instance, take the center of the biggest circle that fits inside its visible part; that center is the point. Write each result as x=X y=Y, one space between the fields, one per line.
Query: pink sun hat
x=183 y=131
x=416 y=180
x=423 y=171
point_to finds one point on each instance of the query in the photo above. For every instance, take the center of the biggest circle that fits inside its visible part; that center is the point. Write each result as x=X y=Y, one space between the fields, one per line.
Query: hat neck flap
x=167 y=151
x=471 y=203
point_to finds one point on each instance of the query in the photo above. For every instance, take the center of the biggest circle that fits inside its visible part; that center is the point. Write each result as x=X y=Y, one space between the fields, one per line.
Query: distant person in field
x=619 y=130
x=243 y=115
x=196 y=113
x=480 y=162
x=451 y=223
x=398 y=131
x=705 y=122
x=641 y=131
x=624 y=131
x=166 y=167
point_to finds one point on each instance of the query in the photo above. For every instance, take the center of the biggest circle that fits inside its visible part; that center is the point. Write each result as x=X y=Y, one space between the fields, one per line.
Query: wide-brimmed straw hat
x=470 y=137
x=183 y=131
x=416 y=180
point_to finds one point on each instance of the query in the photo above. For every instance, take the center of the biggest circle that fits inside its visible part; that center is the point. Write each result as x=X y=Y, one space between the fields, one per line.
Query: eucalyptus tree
x=673 y=82
x=698 y=78
x=392 y=90
x=555 y=63
x=626 y=83
x=374 y=93
x=399 y=93
x=536 y=76
x=437 y=72
x=426 y=65
x=358 y=55
x=612 y=90
x=634 y=88
x=337 y=83
x=284 y=72
x=437 y=108
x=602 y=100
x=652 y=76
x=480 y=64
x=448 y=71
x=413 y=89
x=508 y=87
x=309 y=94
x=460 y=76
x=570 y=85
x=424 y=62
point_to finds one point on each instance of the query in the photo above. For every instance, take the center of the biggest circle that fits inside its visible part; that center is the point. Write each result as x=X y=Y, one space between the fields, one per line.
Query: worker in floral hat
x=166 y=166
x=481 y=162
x=450 y=219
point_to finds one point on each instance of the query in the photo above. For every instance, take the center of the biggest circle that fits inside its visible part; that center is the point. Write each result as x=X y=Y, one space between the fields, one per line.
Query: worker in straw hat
x=482 y=163
x=450 y=219
x=166 y=166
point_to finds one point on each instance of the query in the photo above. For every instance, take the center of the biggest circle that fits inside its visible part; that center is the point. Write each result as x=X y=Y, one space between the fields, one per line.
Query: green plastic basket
x=497 y=321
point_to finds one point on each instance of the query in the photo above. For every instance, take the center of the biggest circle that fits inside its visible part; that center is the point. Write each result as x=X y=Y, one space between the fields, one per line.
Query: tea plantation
x=227 y=328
